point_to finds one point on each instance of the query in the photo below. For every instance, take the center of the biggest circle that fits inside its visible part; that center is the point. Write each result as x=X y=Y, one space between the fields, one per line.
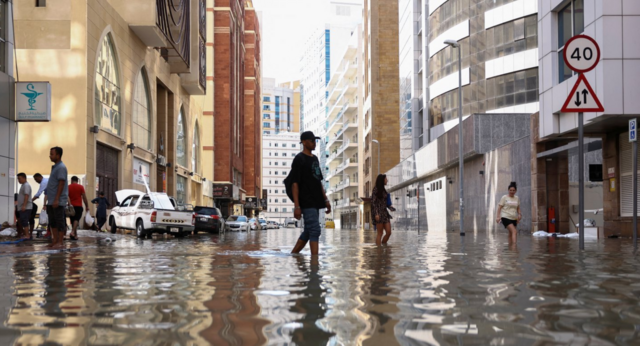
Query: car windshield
x=205 y=211
x=238 y=218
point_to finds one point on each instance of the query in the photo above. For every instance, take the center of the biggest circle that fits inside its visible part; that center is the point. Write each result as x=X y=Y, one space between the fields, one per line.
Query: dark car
x=208 y=219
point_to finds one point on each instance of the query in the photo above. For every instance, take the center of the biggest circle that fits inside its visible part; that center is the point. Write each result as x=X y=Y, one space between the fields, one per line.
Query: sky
x=285 y=26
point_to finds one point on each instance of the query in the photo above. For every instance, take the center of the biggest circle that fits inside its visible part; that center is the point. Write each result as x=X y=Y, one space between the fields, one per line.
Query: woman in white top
x=509 y=212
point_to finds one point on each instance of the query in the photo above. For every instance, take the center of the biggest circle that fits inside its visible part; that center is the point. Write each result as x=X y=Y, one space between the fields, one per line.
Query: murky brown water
x=244 y=289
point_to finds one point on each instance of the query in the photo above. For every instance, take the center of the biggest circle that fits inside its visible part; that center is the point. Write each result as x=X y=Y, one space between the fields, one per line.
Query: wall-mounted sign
x=222 y=190
x=33 y=101
x=612 y=172
x=612 y=185
x=140 y=171
x=207 y=188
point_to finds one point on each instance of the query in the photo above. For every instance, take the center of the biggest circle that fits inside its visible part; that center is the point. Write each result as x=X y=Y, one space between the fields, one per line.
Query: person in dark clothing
x=308 y=193
x=101 y=210
x=381 y=218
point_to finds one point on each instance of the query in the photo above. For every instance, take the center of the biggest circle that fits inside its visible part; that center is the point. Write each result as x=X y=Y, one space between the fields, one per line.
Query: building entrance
x=107 y=169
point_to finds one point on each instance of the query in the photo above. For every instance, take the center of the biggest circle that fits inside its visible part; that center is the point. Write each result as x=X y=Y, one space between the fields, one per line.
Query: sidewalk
x=86 y=239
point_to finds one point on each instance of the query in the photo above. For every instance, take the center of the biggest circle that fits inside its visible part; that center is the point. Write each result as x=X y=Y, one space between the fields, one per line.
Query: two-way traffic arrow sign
x=582 y=98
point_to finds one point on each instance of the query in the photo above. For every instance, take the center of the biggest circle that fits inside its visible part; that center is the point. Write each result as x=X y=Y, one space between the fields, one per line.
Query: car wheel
x=112 y=226
x=140 y=231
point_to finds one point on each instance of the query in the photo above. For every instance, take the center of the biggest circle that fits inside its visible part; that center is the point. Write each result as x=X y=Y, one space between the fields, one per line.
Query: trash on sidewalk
x=8 y=232
x=556 y=235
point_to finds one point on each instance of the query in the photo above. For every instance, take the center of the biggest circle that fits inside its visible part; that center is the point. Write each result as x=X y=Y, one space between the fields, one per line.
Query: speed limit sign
x=581 y=53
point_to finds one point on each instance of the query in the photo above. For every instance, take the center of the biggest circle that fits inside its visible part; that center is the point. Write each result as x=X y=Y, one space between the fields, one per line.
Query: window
x=284 y=210
x=284 y=163
x=266 y=99
x=107 y=88
x=276 y=154
x=284 y=145
x=276 y=163
x=266 y=107
x=284 y=172
x=570 y=23
x=181 y=190
x=181 y=140
x=266 y=116
x=276 y=191
x=41 y=3
x=276 y=182
x=276 y=172
x=195 y=149
x=141 y=112
x=276 y=210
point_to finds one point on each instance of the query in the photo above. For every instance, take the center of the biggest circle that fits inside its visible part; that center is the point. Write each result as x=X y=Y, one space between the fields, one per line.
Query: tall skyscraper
x=280 y=107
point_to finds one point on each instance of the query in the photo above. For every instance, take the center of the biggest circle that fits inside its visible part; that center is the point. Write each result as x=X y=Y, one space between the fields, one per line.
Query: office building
x=345 y=121
x=280 y=107
x=7 y=115
x=381 y=94
x=278 y=152
x=608 y=162
x=128 y=80
x=235 y=33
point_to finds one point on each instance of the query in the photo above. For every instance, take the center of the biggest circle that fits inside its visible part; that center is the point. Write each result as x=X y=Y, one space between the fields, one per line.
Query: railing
x=174 y=21
x=344 y=203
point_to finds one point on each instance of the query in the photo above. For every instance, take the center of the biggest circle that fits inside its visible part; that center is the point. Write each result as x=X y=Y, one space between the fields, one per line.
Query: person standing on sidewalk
x=381 y=217
x=308 y=193
x=57 y=197
x=509 y=212
x=101 y=210
x=25 y=205
x=43 y=182
x=76 y=197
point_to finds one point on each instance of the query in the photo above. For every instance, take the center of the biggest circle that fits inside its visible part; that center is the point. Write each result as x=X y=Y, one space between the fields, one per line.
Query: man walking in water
x=308 y=193
x=57 y=197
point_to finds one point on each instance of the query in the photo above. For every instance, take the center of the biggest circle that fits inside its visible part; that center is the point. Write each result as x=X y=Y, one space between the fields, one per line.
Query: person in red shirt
x=76 y=197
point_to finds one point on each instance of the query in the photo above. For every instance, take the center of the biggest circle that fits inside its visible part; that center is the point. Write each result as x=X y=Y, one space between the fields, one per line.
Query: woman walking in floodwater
x=381 y=218
x=509 y=212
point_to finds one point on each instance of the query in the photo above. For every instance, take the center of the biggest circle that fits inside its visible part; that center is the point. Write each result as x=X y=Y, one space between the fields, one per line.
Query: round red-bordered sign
x=581 y=50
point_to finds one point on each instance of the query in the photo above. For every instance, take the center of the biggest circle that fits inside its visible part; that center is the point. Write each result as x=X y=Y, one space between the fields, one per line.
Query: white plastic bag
x=9 y=232
x=88 y=220
x=44 y=218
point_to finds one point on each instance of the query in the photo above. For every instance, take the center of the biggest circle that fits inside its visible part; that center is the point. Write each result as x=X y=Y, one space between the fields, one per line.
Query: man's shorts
x=77 y=216
x=56 y=218
x=311 y=225
x=24 y=218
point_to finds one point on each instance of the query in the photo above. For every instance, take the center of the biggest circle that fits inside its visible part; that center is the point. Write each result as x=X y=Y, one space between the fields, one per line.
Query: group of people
x=309 y=197
x=61 y=200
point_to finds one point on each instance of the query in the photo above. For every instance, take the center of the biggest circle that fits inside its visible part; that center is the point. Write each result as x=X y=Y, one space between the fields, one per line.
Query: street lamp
x=455 y=44
x=378 y=143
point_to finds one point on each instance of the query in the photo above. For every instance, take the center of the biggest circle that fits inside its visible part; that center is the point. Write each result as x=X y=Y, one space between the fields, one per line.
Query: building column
x=538 y=179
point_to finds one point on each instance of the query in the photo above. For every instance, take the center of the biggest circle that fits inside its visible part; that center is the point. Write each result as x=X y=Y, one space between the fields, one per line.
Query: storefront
x=223 y=195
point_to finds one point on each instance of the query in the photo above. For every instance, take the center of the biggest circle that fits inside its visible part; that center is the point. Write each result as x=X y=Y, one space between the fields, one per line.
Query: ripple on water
x=246 y=289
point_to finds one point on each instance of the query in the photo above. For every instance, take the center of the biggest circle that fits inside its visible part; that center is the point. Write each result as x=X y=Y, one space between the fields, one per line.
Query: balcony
x=162 y=24
x=195 y=82
x=418 y=25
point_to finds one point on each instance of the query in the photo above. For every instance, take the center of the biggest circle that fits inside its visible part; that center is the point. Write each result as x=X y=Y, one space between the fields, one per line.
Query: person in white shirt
x=42 y=181
x=509 y=213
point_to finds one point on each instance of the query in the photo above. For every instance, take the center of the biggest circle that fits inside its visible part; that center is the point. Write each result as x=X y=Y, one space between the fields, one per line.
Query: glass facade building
x=499 y=45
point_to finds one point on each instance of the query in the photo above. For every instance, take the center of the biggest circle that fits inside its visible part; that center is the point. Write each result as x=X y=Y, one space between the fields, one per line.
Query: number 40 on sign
x=581 y=54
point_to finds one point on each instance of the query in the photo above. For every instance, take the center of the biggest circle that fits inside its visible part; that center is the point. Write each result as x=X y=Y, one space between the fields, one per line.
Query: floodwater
x=245 y=289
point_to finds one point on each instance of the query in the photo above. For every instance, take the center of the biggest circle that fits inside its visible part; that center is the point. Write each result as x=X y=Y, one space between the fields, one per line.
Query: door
x=107 y=169
x=436 y=201
x=130 y=213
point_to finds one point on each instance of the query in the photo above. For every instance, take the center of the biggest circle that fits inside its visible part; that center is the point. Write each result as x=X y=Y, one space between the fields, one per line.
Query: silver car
x=237 y=223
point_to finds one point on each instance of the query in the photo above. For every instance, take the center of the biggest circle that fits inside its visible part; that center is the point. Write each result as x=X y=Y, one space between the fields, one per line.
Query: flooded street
x=245 y=289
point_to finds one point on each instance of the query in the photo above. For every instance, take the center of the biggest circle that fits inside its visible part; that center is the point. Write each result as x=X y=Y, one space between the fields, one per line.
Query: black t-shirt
x=305 y=170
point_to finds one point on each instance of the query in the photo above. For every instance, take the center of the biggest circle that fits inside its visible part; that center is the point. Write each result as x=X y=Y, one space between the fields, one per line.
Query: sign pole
x=581 y=179
x=635 y=194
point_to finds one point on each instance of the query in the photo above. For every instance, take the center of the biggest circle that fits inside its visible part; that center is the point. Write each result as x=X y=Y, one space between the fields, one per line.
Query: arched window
x=107 y=92
x=181 y=140
x=195 y=149
x=142 y=112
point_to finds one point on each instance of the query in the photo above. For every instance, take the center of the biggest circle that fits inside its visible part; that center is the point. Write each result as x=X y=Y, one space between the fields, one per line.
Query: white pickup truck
x=149 y=212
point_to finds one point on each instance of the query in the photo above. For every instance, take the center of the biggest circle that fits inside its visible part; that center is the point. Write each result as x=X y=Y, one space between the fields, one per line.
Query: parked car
x=292 y=223
x=147 y=213
x=237 y=223
x=330 y=224
x=208 y=219
x=263 y=223
x=273 y=225
x=254 y=224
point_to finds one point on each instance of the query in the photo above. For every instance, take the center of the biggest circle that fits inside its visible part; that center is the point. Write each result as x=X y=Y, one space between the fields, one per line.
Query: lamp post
x=455 y=44
x=378 y=143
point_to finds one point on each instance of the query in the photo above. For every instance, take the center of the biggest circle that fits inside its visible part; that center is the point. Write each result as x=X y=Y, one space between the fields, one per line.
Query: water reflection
x=245 y=289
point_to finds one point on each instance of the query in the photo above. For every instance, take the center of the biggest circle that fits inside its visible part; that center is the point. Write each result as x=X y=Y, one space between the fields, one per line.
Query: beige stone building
x=381 y=94
x=128 y=79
